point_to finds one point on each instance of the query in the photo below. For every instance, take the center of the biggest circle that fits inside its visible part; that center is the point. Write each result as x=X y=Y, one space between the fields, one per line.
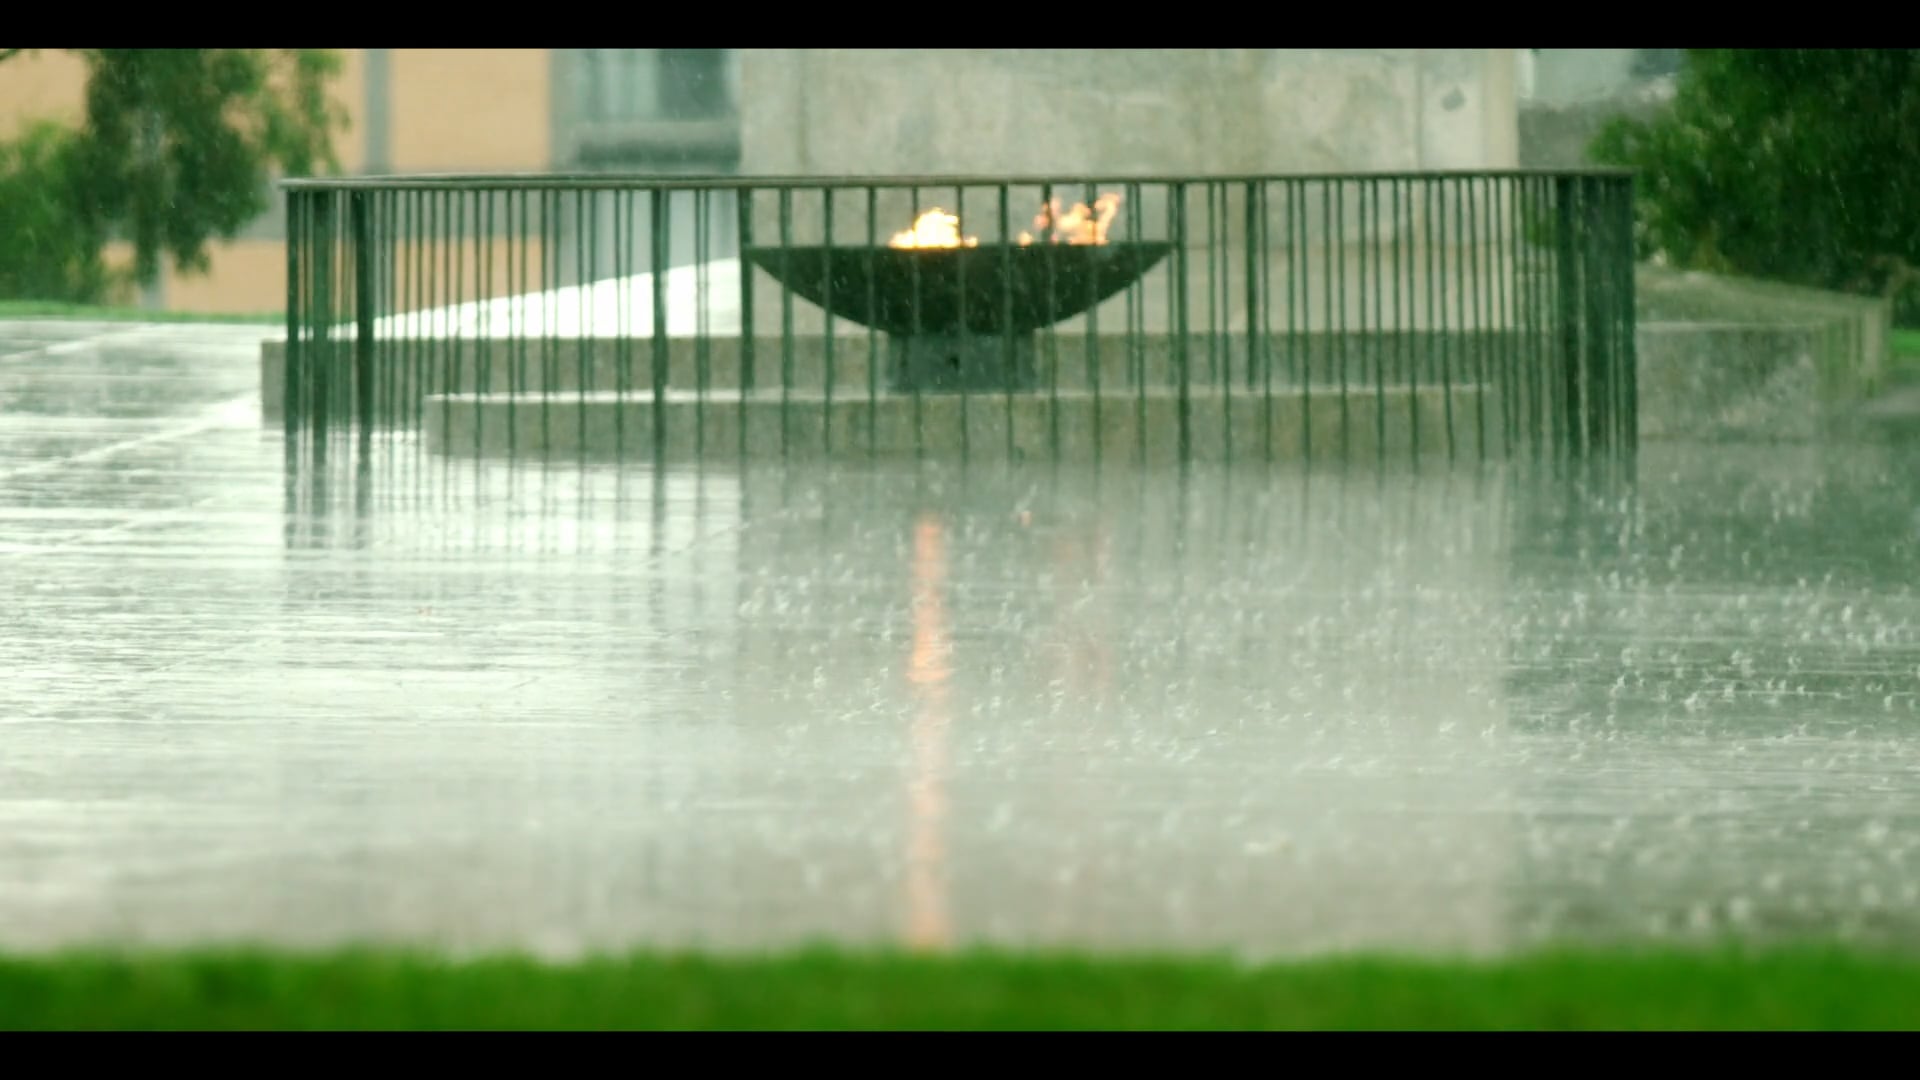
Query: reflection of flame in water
x=928 y=924
x=1081 y=225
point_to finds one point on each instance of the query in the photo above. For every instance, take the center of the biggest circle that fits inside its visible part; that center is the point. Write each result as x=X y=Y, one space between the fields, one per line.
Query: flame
x=934 y=229
x=1081 y=225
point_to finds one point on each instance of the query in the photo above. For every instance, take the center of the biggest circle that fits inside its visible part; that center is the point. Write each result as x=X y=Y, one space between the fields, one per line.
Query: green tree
x=1800 y=165
x=48 y=250
x=176 y=149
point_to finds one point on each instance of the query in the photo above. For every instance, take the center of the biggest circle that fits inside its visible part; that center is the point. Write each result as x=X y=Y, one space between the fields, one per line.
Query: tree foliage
x=48 y=250
x=176 y=149
x=1800 y=165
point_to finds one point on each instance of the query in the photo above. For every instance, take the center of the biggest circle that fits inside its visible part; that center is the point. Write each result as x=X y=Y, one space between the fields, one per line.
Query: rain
x=313 y=679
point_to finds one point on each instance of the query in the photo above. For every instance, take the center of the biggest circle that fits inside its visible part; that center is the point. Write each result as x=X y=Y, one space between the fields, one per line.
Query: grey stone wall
x=1075 y=113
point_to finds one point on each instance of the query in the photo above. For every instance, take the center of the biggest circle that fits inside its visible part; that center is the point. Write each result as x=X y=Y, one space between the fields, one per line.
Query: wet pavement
x=483 y=705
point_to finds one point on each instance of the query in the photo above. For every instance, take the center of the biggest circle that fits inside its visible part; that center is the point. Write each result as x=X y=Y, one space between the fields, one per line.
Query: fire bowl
x=956 y=317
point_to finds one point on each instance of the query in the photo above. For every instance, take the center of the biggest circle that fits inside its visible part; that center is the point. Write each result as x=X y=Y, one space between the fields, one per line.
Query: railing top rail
x=682 y=181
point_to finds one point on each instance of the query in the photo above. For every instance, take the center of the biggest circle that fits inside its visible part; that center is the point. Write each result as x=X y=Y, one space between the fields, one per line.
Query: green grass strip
x=52 y=309
x=1807 y=989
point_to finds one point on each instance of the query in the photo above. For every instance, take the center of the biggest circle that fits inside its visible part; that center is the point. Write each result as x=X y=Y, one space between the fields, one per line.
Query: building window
x=693 y=84
x=641 y=85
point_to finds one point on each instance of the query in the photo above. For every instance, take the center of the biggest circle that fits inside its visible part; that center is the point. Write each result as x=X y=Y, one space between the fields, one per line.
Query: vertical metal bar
x=392 y=305
x=519 y=239
x=1623 y=314
x=583 y=362
x=621 y=210
x=1627 y=262
x=597 y=345
x=384 y=298
x=293 y=353
x=1136 y=324
x=515 y=373
x=1007 y=332
x=441 y=224
x=1329 y=281
x=1427 y=340
x=662 y=235
x=457 y=228
x=483 y=286
x=1257 y=269
x=320 y=359
x=469 y=218
x=1299 y=307
x=1405 y=369
x=1376 y=341
x=786 y=318
x=1214 y=286
x=1218 y=354
x=322 y=363
x=1180 y=339
x=745 y=211
x=1504 y=285
x=1546 y=296
x=486 y=316
x=961 y=260
x=1459 y=285
x=703 y=312
x=1477 y=333
x=1522 y=329
x=1487 y=252
x=1597 y=303
x=620 y=268
x=1594 y=390
x=1525 y=248
x=1174 y=295
x=339 y=369
x=873 y=318
x=826 y=418
x=1605 y=413
x=1339 y=325
x=1541 y=287
x=1362 y=338
x=1567 y=314
x=1092 y=195
x=1607 y=252
x=549 y=304
x=1496 y=307
x=1513 y=310
x=412 y=302
x=900 y=365
x=1049 y=259
x=347 y=266
x=1222 y=251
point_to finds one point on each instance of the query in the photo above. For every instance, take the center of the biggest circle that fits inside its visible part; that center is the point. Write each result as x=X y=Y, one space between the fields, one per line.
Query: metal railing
x=1468 y=315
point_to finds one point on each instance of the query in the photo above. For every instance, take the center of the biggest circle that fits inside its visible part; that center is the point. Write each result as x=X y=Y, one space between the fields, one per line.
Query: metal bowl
x=1000 y=288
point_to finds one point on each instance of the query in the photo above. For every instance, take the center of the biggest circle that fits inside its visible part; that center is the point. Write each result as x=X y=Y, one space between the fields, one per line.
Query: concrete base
x=411 y=370
x=1736 y=381
x=937 y=363
x=1398 y=424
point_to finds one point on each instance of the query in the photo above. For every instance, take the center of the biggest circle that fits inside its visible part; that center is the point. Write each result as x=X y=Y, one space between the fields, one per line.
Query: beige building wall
x=45 y=84
x=247 y=277
x=350 y=92
x=478 y=110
